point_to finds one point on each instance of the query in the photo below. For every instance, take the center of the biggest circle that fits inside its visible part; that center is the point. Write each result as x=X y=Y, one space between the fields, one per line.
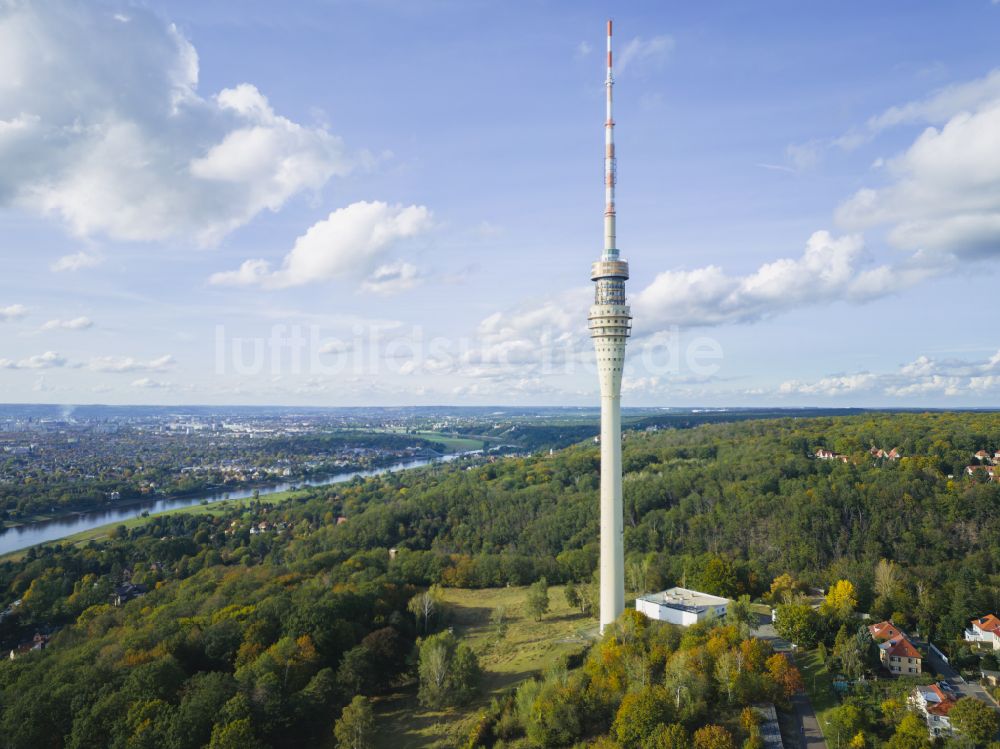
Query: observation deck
x=609 y=269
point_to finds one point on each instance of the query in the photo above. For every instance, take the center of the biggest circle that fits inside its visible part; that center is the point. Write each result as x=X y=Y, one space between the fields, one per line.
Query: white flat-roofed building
x=682 y=606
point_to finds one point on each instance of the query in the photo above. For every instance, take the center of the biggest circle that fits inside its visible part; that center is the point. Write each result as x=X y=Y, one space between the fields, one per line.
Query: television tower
x=610 y=324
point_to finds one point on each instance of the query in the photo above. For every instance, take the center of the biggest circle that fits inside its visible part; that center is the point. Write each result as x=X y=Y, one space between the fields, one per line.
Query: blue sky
x=344 y=203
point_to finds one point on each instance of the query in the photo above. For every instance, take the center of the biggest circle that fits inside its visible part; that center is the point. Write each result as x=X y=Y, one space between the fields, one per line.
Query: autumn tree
x=798 y=623
x=238 y=734
x=741 y=612
x=840 y=601
x=888 y=585
x=426 y=607
x=782 y=588
x=556 y=715
x=713 y=737
x=911 y=733
x=785 y=676
x=974 y=720
x=639 y=714
x=668 y=736
x=356 y=727
x=842 y=724
x=688 y=686
x=449 y=671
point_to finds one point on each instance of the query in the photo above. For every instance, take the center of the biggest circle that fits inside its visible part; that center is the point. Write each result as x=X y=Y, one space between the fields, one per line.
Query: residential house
x=38 y=642
x=824 y=454
x=982 y=456
x=985 y=630
x=980 y=470
x=934 y=704
x=122 y=594
x=898 y=655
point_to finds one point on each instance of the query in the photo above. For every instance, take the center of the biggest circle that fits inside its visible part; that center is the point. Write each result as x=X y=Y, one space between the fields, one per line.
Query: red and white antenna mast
x=610 y=168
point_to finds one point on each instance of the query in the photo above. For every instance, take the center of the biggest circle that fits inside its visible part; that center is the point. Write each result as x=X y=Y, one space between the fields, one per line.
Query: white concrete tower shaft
x=610 y=325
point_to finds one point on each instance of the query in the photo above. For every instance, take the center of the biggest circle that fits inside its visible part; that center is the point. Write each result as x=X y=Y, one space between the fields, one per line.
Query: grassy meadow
x=528 y=647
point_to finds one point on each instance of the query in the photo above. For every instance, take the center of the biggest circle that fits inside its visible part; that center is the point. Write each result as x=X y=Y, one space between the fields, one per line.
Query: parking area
x=961 y=687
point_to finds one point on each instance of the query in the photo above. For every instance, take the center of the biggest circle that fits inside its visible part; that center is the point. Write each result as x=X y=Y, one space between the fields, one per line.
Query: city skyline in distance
x=307 y=225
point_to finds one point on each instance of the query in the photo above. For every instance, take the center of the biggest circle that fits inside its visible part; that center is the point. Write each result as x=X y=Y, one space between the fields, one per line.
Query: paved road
x=810 y=735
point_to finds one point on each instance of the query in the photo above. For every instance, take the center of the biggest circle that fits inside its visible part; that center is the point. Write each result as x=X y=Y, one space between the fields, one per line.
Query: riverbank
x=211 y=508
x=217 y=489
x=96 y=525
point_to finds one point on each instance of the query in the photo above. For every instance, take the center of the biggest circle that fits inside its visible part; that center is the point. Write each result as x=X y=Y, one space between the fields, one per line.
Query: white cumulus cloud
x=103 y=126
x=129 y=364
x=348 y=242
x=922 y=377
x=151 y=384
x=942 y=104
x=944 y=193
x=836 y=385
x=830 y=269
x=77 y=323
x=48 y=360
x=74 y=262
x=392 y=278
x=13 y=312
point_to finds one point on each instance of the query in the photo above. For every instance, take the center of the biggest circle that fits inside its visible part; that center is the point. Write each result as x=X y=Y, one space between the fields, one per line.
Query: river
x=45 y=531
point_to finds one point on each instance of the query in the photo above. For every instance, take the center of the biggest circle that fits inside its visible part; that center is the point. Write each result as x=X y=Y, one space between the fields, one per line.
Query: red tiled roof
x=988 y=623
x=894 y=641
x=884 y=631
x=901 y=647
x=945 y=702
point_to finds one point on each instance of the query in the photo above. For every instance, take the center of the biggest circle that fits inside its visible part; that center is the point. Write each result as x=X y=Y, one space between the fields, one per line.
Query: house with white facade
x=824 y=454
x=985 y=631
x=981 y=470
x=934 y=704
x=682 y=606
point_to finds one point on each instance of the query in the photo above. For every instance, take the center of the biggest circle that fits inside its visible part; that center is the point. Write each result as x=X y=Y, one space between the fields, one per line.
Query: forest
x=260 y=624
